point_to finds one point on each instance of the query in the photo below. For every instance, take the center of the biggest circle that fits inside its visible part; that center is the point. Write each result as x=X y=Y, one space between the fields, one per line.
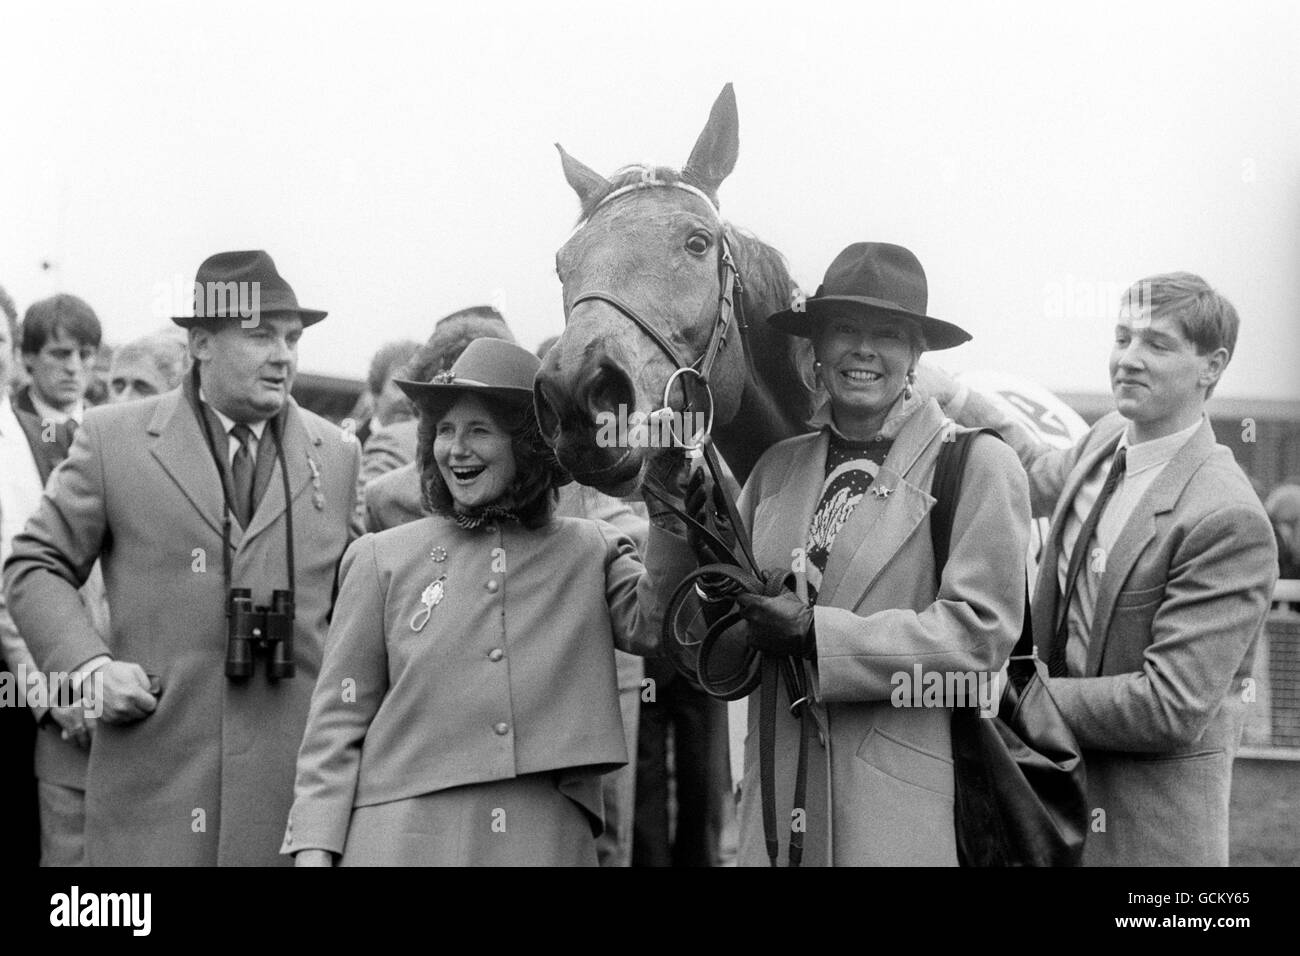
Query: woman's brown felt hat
x=487 y=367
x=871 y=278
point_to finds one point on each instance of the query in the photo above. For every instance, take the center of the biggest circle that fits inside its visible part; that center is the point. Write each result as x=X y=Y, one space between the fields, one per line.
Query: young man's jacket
x=1182 y=599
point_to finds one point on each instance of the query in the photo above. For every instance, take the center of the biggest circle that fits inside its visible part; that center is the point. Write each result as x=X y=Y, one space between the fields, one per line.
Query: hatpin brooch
x=429 y=599
x=318 y=498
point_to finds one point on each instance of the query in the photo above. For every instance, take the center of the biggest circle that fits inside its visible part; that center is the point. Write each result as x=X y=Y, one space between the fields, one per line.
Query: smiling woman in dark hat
x=468 y=702
x=864 y=605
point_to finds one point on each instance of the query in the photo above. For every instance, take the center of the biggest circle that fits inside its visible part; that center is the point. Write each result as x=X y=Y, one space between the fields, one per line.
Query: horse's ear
x=714 y=155
x=590 y=185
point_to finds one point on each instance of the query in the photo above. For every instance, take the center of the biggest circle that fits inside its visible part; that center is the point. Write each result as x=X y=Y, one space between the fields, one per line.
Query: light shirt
x=48 y=413
x=1143 y=465
x=232 y=443
x=20 y=480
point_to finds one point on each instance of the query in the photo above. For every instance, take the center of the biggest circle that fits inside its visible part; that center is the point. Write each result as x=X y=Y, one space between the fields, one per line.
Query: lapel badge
x=881 y=492
x=429 y=599
x=439 y=554
x=318 y=499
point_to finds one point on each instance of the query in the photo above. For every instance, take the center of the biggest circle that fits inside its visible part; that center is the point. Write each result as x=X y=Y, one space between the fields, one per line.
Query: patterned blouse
x=851 y=466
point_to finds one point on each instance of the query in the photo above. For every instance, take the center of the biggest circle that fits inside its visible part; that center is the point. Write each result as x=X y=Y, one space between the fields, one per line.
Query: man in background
x=1283 y=507
x=149 y=365
x=60 y=342
x=383 y=404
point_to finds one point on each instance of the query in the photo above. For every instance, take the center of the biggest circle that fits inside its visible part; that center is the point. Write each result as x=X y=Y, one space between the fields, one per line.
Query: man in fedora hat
x=225 y=484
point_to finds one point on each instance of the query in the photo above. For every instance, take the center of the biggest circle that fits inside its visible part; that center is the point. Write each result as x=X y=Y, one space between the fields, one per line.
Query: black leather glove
x=779 y=625
x=704 y=503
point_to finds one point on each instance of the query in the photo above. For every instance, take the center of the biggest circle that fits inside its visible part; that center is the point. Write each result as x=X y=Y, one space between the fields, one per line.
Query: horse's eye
x=697 y=244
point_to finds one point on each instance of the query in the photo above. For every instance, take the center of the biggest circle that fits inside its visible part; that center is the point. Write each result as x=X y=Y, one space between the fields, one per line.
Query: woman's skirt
x=524 y=821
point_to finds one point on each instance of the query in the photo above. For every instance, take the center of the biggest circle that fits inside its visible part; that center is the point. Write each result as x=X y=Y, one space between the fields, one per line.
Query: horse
x=647 y=291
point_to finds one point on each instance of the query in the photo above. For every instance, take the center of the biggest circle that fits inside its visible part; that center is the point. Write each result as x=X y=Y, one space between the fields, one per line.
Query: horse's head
x=643 y=278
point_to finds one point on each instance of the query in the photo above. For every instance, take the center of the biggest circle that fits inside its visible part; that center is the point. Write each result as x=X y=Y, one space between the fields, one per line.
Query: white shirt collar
x=1157 y=451
x=51 y=414
x=228 y=423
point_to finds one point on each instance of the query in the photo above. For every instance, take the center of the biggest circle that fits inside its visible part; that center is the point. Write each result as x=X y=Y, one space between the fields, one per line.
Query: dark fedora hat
x=234 y=285
x=486 y=367
x=871 y=278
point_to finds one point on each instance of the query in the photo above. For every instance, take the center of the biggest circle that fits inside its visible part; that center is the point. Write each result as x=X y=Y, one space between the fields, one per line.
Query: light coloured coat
x=207 y=778
x=512 y=673
x=881 y=776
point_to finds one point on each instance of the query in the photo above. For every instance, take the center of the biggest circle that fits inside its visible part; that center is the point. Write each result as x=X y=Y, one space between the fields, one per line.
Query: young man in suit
x=183 y=497
x=1155 y=580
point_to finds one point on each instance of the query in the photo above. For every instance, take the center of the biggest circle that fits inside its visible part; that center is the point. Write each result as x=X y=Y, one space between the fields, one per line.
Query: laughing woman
x=467 y=703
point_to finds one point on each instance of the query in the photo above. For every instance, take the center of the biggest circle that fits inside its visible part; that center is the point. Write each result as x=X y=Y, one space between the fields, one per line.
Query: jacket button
x=496 y=654
x=502 y=729
x=492 y=586
x=490 y=528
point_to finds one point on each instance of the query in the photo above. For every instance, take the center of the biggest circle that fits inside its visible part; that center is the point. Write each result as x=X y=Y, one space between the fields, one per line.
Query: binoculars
x=259 y=631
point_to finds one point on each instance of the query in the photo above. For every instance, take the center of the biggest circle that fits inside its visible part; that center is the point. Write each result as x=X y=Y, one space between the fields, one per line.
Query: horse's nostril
x=609 y=389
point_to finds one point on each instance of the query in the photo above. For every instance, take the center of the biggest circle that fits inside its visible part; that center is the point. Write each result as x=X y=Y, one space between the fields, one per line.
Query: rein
x=717 y=584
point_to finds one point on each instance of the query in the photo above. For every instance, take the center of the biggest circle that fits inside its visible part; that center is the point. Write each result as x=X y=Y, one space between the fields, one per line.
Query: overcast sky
x=397 y=161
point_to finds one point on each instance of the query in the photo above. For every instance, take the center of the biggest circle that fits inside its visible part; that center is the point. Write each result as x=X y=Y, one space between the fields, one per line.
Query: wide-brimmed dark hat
x=871 y=278
x=228 y=284
x=486 y=367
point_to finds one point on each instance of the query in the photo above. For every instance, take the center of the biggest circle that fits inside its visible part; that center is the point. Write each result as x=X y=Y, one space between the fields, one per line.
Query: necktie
x=241 y=474
x=1056 y=659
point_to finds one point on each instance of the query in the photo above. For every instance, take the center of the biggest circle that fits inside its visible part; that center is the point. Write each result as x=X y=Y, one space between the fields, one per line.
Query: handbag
x=1020 y=785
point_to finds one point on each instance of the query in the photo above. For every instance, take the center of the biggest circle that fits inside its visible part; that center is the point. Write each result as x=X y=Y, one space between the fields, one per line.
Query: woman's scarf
x=477 y=517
